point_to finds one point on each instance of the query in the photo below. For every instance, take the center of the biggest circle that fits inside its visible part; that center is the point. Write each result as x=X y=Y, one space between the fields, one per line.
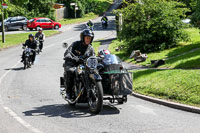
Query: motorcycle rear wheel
x=95 y=100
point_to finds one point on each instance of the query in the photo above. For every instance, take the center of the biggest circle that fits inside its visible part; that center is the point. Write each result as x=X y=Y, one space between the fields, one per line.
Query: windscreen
x=111 y=59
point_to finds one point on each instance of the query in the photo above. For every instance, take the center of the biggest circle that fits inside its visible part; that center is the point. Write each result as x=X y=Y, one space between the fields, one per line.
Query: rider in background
x=105 y=19
x=41 y=37
x=90 y=24
x=30 y=43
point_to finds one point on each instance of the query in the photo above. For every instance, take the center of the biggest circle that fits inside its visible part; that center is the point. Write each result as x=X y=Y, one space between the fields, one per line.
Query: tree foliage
x=30 y=8
x=152 y=25
x=86 y=6
x=196 y=15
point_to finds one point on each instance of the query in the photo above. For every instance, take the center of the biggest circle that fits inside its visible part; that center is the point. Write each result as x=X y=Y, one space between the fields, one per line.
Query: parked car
x=13 y=23
x=45 y=23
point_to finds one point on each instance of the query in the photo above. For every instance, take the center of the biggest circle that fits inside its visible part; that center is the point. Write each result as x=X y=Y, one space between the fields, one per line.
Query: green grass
x=96 y=45
x=176 y=85
x=15 y=39
x=169 y=53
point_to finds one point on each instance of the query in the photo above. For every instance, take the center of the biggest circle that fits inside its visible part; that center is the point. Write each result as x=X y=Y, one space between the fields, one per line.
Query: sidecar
x=116 y=80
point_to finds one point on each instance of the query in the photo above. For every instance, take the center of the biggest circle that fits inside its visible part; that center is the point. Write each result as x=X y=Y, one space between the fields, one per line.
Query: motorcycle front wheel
x=25 y=62
x=95 y=100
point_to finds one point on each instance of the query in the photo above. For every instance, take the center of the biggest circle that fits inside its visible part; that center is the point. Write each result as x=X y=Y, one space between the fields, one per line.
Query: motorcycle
x=39 y=40
x=87 y=86
x=116 y=80
x=104 y=24
x=38 y=46
x=28 y=57
x=90 y=27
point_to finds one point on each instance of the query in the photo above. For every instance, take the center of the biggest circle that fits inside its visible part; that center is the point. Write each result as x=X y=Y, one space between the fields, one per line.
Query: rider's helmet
x=30 y=35
x=103 y=52
x=40 y=29
x=86 y=32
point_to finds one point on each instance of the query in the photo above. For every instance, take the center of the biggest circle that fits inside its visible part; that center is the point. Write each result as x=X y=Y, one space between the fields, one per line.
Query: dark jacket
x=40 y=36
x=29 y=44
x=78 y=49
x=90 y=24
x=104 y=18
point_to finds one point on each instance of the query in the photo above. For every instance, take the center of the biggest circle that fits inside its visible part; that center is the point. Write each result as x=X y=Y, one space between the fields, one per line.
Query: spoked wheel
x=95 y=100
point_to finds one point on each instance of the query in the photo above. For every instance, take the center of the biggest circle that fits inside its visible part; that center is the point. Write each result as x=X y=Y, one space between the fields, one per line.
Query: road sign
x=76 y=8
x=4 y=5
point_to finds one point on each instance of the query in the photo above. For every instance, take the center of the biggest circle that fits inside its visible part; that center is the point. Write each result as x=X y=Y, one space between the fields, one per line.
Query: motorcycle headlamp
x=92 y=62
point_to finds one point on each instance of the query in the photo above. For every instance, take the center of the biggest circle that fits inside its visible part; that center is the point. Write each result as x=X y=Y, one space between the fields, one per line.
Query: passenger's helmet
x=103 y=52
x=86 y=32
x=40 y=29
x=30 y=35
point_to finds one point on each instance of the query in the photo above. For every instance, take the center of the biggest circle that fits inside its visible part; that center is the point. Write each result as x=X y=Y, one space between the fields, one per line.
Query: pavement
x=30 y=100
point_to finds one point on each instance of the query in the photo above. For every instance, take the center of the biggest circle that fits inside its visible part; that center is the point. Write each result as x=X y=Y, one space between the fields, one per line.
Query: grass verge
x=15 y=39
x=175 y=85
x=96 y=45
x=183 y=61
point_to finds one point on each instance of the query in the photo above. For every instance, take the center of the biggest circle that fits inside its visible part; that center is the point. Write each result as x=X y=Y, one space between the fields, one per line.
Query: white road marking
x=12 y=113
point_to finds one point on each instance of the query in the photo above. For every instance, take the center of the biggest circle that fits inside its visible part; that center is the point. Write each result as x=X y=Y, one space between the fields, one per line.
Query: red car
x=45 y=23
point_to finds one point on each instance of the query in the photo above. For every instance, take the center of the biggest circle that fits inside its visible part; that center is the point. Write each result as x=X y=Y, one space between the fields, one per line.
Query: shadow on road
x=66 y=111
x=97 y=26
x=15 y=69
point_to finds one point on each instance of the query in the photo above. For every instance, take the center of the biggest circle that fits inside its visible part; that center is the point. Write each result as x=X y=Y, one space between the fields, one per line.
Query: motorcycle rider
x=30 y=43
x=90 y=24
x=105 y=19
x=41 y=37
x=81 y=49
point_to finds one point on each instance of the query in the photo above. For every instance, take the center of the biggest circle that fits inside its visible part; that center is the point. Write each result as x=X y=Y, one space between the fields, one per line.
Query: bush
x=153 y=25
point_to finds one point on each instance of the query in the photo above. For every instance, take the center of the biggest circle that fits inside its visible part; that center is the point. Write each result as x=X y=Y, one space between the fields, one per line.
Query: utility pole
x=2 y=24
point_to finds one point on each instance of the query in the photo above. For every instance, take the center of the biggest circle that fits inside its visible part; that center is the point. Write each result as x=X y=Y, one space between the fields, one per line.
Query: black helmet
x=86 y=32
x=30 y=35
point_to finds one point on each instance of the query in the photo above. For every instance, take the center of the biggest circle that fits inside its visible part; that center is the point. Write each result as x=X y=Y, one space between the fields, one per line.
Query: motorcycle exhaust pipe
x=72 y=102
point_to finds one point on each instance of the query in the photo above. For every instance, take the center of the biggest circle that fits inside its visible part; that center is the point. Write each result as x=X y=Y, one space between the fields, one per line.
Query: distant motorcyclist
x=30 y=43
x=80 y=49
x=90 y=24
x=104 y=20
x=40 y=36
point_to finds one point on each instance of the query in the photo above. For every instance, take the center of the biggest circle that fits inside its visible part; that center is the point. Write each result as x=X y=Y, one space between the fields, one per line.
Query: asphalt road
x=30 y=100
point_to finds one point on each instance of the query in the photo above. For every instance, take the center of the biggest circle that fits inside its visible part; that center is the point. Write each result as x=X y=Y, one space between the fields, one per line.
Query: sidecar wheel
x=95 y=100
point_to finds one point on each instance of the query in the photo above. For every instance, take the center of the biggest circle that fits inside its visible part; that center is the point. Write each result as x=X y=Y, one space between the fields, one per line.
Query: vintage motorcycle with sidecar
x=116 y=80
x=97 y=79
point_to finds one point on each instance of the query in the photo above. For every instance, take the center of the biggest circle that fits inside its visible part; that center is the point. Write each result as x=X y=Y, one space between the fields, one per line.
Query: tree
x=196 y=15
x=152 y=25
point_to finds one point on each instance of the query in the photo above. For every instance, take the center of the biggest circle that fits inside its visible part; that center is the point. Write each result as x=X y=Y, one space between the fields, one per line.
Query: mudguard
x=95 y=77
